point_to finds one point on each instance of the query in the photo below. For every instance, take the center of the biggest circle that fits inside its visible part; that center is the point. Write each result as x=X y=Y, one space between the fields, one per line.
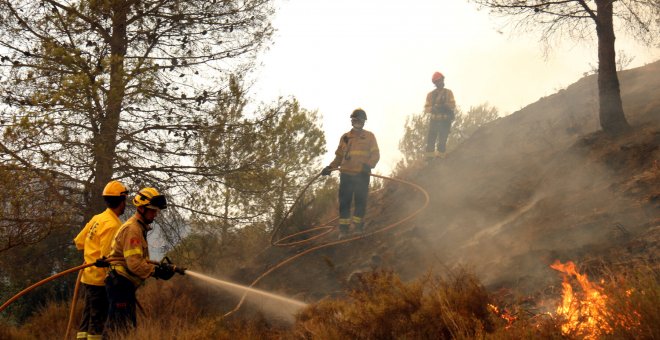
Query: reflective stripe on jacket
x=130 y=243
x=356 y=147
x=440 y=104
x=95 y=240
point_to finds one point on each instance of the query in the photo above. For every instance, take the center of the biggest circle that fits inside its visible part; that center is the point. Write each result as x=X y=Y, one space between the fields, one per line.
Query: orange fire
x=585 y=313
x=504 y=314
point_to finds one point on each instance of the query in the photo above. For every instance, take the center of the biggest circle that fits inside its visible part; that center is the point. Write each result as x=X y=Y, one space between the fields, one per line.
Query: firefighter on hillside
x=356 y=155
x=94 y=240
x=130 y=244
x=441 y=107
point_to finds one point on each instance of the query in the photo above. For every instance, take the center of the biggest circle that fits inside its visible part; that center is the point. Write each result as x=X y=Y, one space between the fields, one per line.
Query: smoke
x=531 y=188
x=523 y=191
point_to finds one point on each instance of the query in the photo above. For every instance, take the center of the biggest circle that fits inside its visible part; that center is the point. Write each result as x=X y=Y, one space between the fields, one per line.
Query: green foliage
x=211 y=253
x=97 y=90
x=100 y=90
x=283 y=153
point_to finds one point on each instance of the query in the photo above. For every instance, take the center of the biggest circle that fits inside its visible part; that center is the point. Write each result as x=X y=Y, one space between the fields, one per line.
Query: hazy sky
x=338 y=55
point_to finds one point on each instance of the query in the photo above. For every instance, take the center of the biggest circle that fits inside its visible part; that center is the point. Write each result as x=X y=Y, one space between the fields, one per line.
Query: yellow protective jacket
x=95 y=240
x=356 y=147
x=440 y=104
x=130 y=244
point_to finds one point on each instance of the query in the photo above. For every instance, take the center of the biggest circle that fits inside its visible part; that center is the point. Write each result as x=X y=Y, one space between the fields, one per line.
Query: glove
x=326 y=171
x=366 y=169
x=164 y=271
x=102 y=263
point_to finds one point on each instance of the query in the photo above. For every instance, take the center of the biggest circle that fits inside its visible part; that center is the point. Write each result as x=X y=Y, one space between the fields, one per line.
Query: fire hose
x=274 y=242
x=102 y=262
x=328 y=229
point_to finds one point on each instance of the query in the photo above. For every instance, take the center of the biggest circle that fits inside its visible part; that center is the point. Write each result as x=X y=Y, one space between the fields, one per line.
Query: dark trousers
x=353 y=186
x=438 y=130
x=95 y=309
x=122 y=302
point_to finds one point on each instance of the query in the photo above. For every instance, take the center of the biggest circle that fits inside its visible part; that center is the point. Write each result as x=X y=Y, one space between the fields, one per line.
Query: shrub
x=633 y=301
x=384 y=307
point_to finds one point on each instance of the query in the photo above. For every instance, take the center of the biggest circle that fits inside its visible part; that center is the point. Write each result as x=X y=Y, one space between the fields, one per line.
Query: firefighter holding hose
x=94 y=240
x=133 y=267
x=356 y=155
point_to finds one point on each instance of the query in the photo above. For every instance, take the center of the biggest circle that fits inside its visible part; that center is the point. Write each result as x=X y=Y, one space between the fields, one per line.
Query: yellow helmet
x=150 y=198
x=115 y=188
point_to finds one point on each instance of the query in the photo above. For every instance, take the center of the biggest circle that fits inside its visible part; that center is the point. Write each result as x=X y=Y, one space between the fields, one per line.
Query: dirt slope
x=538 y=185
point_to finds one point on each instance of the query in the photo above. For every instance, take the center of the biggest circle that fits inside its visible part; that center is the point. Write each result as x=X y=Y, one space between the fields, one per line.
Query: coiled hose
x=280 y=242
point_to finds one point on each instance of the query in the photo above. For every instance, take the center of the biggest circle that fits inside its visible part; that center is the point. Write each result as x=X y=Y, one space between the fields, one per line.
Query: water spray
x=239 y=290
x=325 y=229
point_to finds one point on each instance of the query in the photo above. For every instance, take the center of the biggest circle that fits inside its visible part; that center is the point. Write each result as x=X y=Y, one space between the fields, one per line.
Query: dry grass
x=634 y=302
x=381 y=307
x=48 y=322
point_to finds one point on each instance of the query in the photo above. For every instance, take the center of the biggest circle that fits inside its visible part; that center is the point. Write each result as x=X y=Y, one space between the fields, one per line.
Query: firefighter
x=130 y=246
x=356 y=155
x=441 y=107
x=94 y=240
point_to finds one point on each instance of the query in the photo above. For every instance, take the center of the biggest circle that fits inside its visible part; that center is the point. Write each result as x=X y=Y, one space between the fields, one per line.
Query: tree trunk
x=612 y=118
x=280 y=204
x=224 y=235
x=106 y=137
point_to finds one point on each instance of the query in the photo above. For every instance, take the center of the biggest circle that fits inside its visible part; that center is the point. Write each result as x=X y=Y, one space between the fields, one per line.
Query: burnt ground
x=539 y=185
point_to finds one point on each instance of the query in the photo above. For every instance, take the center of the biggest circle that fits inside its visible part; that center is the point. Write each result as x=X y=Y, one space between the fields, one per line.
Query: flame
x=585 y=313
x=504 y=314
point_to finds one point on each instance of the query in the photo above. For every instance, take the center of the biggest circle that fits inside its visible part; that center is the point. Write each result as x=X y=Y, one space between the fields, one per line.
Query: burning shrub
x=634 y=297
x=624 y=304
x=383 y=307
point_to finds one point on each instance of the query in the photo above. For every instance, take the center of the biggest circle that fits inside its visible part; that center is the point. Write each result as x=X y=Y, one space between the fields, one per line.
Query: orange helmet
x=437 y=76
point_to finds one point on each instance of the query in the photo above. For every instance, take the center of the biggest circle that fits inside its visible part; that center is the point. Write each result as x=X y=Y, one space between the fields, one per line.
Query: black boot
x=359 y=228
x=343 y=231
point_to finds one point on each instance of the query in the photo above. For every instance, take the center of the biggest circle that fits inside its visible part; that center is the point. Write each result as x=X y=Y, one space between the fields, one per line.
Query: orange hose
x=46 y=280
x=53 y=277
x=72 y=309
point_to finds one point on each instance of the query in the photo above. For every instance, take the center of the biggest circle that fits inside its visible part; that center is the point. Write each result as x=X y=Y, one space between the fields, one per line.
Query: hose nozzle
x=177 y=269
x=180 y=270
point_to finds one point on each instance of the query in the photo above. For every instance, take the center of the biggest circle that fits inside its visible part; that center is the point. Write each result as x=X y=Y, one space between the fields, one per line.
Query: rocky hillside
x=539 y=185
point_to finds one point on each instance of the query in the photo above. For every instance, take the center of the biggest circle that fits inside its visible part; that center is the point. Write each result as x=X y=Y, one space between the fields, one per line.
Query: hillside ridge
x=525 y=190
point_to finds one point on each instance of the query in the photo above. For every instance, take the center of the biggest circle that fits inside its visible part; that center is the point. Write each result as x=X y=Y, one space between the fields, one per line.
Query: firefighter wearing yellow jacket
x=356 y=155
x=94 y=240
x=131 y=247
x=441 y=107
